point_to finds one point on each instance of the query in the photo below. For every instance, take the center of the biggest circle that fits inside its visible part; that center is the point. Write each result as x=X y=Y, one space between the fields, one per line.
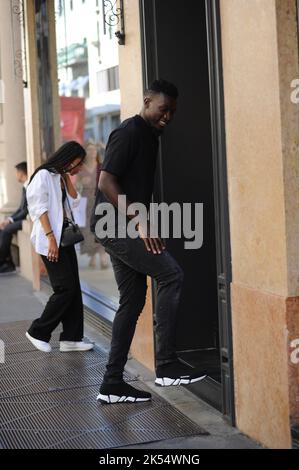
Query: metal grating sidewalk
x=49 y=401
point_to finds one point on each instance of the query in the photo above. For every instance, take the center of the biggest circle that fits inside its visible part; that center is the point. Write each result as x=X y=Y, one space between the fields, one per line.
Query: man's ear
x=146 y=101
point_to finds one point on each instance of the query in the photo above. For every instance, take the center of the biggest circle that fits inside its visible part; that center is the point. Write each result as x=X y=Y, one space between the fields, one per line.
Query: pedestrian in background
x=12 y=224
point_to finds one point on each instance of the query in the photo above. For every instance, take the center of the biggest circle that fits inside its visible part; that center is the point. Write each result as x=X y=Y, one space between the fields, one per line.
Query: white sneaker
x=66 y=346
x=40 y=345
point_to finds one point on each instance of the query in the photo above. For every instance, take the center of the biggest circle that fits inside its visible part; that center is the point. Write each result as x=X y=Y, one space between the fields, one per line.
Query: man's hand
x=154 y=245
x=110 y=187
x=53 y=251
x=4 y=224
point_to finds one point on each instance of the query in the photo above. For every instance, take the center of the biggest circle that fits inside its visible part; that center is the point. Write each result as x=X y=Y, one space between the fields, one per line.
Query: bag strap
x=71 y=212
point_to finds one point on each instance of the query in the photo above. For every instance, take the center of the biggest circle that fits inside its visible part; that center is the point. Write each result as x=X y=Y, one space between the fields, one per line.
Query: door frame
x=149 y=51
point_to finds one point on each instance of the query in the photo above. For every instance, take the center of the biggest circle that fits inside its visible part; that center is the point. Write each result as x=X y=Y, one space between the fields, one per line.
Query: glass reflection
x=87 y=58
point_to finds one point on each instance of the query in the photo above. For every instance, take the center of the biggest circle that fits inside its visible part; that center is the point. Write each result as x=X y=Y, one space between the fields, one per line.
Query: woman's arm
x=53 y=251
x=37 y=194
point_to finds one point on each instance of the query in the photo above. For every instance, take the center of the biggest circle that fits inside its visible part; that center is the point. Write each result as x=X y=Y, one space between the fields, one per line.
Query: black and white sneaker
x=121 y=393
x=177 y=373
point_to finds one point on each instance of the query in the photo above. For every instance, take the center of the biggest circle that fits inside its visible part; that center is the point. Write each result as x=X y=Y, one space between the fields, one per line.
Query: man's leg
x=169 y=277
x=5 y=241
x=132 y=290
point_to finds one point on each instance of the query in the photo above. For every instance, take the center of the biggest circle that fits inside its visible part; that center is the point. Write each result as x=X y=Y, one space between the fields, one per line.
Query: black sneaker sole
x=168 y=382
x=113 y=399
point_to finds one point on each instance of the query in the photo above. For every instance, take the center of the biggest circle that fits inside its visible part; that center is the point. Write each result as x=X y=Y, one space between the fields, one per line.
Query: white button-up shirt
x=44 y=194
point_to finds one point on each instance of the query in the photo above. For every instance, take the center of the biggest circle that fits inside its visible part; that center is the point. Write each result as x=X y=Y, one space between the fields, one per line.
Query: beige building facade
x=259 y=61
x=260 y=57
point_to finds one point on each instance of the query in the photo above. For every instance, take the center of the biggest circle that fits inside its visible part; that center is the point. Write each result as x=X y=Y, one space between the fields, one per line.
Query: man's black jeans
x=5 y=240
x=65 y=305
x=131 y=264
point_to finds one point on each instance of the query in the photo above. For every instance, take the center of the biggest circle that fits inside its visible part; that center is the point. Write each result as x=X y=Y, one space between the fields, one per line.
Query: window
x=102 y=81
x=87 y=120
x=108 y=79
x=60 y=7
x=113 y=78
x=115 y=121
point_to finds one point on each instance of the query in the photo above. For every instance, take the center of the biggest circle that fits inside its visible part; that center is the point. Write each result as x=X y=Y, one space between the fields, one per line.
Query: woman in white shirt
x=49 y=194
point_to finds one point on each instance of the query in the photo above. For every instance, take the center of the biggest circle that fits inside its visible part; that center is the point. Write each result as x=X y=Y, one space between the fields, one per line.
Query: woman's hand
x=53 y=251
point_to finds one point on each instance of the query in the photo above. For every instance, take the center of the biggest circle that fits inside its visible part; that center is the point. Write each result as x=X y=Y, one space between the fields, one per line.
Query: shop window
x=88 y=120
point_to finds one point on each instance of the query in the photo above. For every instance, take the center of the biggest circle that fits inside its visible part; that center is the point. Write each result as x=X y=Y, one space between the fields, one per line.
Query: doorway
x=182 y=44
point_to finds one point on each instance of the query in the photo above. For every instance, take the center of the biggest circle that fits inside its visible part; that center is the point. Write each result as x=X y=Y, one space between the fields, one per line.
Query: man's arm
x=111 y=188
x=22 y=212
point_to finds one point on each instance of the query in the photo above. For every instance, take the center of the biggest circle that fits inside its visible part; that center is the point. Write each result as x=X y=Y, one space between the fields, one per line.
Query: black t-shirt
x=131 y=155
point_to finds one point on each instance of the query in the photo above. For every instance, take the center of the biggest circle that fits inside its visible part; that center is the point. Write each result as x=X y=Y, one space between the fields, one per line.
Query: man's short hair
x=162 y=86
x=22 y=167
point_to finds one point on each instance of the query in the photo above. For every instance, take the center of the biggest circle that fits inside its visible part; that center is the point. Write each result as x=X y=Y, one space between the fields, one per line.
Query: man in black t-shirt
x=129 y=169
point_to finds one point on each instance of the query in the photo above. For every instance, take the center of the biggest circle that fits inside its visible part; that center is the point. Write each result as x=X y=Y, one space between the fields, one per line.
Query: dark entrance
x=181 y=44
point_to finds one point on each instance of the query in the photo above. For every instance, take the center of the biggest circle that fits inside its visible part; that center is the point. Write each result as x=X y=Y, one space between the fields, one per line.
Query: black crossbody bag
x=71 y=233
